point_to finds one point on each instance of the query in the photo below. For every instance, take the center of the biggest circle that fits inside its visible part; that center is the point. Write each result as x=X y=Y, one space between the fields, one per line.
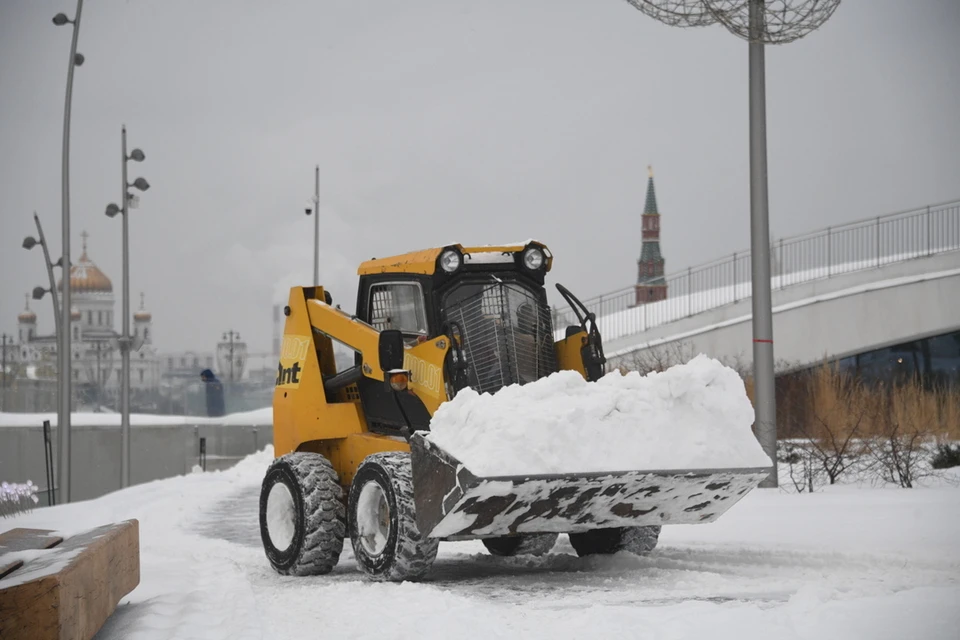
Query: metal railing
x=855 y=246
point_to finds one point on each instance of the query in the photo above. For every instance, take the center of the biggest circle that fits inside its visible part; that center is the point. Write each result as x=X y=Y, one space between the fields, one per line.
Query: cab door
x=401 y=304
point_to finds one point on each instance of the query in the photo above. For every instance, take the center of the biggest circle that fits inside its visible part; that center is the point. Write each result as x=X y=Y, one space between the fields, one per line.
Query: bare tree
x=660 y=358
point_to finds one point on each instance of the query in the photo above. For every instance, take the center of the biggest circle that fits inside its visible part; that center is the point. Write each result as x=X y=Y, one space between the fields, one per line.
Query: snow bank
x=692 y=416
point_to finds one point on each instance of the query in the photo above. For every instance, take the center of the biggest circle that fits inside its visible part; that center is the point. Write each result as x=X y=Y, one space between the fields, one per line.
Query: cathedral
x=651 y=285
x=95 y=361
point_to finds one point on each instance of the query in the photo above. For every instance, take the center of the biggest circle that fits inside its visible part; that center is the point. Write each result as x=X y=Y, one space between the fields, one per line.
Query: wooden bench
x=65 y=588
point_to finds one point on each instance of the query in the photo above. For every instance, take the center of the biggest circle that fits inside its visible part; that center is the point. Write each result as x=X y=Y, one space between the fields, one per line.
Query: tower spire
x=84 y=237
x=651 y=285
x=650 y=206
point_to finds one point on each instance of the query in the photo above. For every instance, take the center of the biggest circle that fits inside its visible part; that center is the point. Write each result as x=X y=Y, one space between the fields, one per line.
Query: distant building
x=651 y=285
x=95 y=361
x=186 y=364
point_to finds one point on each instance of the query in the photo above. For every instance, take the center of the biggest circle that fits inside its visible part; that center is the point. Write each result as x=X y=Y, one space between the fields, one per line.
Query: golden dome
x=85 y=276
x=26 y=315
x=142 y=315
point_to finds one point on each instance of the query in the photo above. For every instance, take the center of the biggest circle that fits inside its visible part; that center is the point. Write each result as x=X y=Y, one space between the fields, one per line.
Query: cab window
x=398 y=305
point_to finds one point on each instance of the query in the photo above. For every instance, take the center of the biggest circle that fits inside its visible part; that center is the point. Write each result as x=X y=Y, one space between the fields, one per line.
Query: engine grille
x=506 y=334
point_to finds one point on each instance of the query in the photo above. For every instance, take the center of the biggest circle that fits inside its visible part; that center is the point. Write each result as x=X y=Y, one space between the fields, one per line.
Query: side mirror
x=391 y=349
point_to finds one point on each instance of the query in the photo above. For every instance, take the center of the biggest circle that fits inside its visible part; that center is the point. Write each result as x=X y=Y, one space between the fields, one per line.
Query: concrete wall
x=156 y=452
x=833 y=328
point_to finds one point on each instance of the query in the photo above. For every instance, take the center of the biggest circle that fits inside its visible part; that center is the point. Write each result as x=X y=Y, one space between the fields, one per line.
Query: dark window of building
x=935 y=361
x=141 y=374
x=146 y=334
x=90 y=317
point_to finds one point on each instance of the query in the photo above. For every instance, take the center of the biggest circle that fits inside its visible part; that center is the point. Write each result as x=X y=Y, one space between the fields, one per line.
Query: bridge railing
x=854 y=246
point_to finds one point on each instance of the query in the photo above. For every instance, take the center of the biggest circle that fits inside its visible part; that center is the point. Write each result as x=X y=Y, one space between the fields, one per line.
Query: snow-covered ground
x=845 y=563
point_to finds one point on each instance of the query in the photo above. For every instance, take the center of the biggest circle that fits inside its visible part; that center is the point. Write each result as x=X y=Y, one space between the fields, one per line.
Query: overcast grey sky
x=436 y=121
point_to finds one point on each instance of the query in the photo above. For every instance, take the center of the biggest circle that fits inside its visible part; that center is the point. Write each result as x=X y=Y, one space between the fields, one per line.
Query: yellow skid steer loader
x=352 y=456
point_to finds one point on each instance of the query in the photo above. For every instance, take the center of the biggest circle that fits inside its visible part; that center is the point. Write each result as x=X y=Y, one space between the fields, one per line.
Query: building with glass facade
x=935 y=361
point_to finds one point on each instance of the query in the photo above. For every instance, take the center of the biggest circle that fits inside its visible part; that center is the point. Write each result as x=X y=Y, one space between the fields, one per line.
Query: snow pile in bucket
x=692 y=416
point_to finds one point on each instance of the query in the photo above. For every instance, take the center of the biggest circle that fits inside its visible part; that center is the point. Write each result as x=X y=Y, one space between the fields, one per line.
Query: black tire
x=533 y=544
x=311 y=514
x=637 y=540
x=397 y=551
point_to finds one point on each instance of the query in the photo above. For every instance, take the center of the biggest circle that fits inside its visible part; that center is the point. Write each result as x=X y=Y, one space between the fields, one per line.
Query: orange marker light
x=398 y=381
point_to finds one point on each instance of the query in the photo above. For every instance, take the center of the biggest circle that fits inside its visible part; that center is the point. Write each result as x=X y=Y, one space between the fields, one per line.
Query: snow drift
x=692 y=416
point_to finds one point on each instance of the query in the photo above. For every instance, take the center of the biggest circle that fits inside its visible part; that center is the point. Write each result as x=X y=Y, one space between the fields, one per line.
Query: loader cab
x=490 y=301
x=411 y=292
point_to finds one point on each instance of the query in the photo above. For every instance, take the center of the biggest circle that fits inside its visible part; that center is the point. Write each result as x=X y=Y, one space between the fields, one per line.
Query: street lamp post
x=759 y=22
x=125 y=340
x=29 y=243
x=63 y=345
x=316 y=226
x=4 y=357
x=230 y=336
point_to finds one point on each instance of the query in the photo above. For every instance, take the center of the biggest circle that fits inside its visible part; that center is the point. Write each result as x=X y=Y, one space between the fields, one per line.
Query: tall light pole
x=64 y=371
x=316 y=226
x=229 y=337
x=29 y=243
x=125 y=340
x=759 y=22
x=3 y=370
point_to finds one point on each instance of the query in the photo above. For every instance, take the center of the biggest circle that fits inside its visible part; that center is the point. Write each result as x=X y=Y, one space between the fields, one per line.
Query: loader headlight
x=398 y=380
x=533 y=258
x=450 y=260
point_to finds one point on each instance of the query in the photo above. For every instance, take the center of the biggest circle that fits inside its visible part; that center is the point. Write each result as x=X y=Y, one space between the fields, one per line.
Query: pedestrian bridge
x=837 y=292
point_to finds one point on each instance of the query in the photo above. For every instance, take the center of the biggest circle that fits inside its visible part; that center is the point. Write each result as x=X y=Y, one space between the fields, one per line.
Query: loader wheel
x=383 y=524
x=302 y=515
x=637 y=540
x=534 y=544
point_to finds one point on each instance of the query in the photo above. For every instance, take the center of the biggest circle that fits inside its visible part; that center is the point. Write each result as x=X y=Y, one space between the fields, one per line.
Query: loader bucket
x=453 y=503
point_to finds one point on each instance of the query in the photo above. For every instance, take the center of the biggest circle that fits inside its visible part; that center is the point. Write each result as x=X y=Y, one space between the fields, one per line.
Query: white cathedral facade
x=95 y=361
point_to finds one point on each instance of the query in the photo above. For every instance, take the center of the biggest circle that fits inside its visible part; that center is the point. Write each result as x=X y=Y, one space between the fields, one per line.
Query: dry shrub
x=907 y=422
x=840 y=409
x=836 y=423
x=660 y=358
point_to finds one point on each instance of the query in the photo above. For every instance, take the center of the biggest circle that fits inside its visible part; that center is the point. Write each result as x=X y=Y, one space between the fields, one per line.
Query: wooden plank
x=68 y=593
x=22 y=540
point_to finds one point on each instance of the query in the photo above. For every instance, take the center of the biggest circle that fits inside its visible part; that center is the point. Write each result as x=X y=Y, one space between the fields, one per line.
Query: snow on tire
x=302 y=515
x=383 y=528
x=533 y=544
x=637 y=540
